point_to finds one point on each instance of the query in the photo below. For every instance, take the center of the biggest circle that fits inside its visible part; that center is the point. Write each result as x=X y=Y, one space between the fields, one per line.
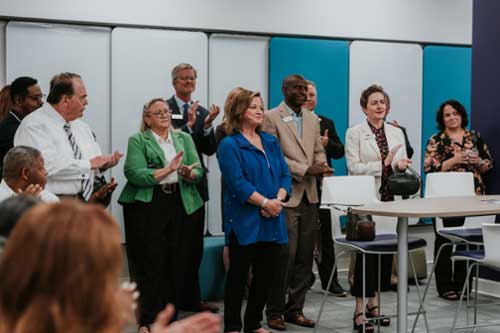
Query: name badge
x=369 y=136
x=288 y=119
x=177 y=116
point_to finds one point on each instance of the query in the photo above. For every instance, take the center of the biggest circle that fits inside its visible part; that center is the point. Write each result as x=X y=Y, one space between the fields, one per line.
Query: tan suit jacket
x=362 y=153
x=300 y=153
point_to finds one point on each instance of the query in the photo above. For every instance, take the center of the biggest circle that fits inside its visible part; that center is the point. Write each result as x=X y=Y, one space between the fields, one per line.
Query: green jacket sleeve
x=136 y=167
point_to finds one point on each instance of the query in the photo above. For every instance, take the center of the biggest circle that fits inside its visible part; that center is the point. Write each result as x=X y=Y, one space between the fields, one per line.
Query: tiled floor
x=338 y=312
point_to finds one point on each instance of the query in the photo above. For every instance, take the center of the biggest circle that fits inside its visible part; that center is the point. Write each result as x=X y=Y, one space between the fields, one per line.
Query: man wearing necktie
x=194 y=119
x=72 y=156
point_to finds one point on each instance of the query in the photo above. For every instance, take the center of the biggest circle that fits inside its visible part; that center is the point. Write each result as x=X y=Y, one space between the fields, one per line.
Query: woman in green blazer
x=159 y=201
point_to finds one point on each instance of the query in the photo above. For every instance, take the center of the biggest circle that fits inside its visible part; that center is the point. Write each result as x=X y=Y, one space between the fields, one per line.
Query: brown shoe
x=276 y=323
x=299 y=319
x=205 y=306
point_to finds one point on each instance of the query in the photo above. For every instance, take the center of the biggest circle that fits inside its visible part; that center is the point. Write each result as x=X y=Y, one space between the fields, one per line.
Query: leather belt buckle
x=168 y=188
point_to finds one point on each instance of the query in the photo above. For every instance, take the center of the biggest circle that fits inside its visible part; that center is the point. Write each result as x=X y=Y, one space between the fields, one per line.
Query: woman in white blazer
x=373 y=148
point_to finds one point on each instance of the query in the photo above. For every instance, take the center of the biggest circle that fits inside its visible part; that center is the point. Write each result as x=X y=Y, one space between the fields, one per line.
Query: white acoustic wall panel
x=142 y=60
x=2 y=53
x=43 y=50
x=233 y=61
x=398 y=69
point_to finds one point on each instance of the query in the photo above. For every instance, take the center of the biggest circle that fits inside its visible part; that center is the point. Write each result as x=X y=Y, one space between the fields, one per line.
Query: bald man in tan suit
x=298 y=132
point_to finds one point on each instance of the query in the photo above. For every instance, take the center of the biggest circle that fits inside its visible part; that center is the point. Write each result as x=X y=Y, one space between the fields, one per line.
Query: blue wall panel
x=325 y=62
x=447 y=75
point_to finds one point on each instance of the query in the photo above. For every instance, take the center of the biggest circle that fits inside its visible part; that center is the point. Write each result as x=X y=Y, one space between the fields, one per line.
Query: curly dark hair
x=457 y=106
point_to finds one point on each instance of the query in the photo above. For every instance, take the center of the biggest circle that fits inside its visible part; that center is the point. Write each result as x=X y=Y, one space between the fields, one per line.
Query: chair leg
x=475 y=294
x=462 y=297
x=467 y=290
x=323 y=302
x=429 y=280
x=421 y=307
x=378 y=290
x=364 y=290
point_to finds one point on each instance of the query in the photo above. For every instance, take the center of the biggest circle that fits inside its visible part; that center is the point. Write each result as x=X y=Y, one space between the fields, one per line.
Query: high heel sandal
x=385 y=321
x=359 y=327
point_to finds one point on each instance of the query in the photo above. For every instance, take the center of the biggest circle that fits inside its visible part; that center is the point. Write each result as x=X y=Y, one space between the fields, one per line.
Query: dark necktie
x=86 y=183
x=185 y=109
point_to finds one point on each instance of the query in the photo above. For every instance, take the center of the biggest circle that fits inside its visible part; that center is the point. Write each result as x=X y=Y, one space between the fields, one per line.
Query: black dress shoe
x=337 y=290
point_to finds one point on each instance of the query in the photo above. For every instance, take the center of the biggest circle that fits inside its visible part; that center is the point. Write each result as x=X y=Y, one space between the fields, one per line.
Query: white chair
x=489 y=257
x=341 y=192
x=450 y=184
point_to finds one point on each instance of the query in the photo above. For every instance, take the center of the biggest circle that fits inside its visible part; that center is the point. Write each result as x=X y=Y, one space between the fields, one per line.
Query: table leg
x=402 y=274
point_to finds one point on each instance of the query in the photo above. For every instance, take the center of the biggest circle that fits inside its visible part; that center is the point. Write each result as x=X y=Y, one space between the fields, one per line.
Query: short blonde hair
x=144 y=126
x=237 y=102
x=181 y=67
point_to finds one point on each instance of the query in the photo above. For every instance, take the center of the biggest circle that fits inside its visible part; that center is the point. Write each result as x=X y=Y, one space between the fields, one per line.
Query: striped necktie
x=86 y=183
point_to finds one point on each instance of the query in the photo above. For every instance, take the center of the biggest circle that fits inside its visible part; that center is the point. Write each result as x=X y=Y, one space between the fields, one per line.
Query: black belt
x=169 y=188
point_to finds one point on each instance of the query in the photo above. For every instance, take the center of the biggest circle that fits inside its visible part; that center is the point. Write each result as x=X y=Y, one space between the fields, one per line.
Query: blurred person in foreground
x=69 y=279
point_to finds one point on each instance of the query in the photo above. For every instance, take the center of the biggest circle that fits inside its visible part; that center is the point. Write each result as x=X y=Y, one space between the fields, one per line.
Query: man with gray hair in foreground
x=24 y=173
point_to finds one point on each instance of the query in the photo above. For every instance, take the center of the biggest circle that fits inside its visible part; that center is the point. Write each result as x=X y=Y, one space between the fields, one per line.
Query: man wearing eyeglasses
x=25 y=97
x=194 y=119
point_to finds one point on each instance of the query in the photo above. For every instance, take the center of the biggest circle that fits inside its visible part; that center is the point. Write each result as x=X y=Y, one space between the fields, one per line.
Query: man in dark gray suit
x=194 y=119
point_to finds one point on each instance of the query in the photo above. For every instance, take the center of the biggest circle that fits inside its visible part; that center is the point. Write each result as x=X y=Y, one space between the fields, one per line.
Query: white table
x=424 y=207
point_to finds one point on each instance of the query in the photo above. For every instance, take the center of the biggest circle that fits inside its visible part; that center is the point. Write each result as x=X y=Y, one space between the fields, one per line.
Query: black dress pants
x=154 y=234
x=371 y=274
x=261 y=257
x=447 y=279
x=190 y=260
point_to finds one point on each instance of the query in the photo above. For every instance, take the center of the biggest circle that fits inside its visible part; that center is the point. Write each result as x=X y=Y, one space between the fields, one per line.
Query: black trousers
x=325 y=265
x=447 y=279
x=371 y=274
x=157 y=235
x=190 y=257
x=262 y=258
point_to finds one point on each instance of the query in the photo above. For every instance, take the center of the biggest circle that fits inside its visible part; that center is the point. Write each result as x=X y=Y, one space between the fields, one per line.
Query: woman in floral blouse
x=455 y=148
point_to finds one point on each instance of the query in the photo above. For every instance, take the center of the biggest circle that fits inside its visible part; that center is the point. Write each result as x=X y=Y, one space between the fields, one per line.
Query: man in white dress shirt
x=72 y=156
x=24 y=173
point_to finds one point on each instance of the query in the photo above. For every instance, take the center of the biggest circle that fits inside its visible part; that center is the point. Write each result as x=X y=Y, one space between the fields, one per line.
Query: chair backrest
x=449 y=184
x=491 y=238
x=346 y=191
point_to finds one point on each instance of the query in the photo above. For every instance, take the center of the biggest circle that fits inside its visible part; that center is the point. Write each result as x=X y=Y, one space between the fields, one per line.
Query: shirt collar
x=54 y=115
x=180 y=102
x=5 y=187
x=159 y=139
x=16 y=115
x=373 y=129
x=293 y=113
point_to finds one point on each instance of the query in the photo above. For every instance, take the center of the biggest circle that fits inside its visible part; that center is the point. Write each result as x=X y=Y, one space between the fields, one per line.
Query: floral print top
x=383 y=147
x=440 y=148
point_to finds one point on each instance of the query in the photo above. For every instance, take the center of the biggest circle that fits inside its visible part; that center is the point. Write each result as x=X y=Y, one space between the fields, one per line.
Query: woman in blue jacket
x=256 y=182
